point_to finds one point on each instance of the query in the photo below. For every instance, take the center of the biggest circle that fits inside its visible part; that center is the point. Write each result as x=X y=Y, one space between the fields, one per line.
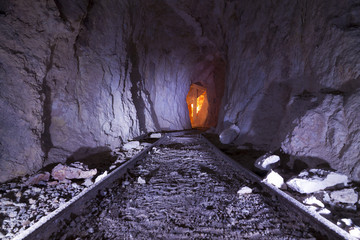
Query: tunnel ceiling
x=84 y=76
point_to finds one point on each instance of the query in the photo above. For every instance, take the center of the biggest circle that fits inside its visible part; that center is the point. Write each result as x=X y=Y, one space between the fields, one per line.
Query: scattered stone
x=174 y=173
x=141 y=180
x=229 y=135
x=306 y=184
x=61 y=172
x=324 y=211
x=37 y=178
x=347 y=221
x=87 y=182
x=53 y=183
x=131 y=145
x=347 y=195
x=313 y=201
x=12 y=214
x=18 y=195
x=155 y=135
x=267 y=162
x=36 y=189
x=275 y=179
x=101 y=176
x=355 y=231
x=244 y=190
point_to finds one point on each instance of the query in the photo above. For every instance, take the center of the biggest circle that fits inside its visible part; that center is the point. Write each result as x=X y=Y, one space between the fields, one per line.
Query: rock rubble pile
x=24 y=201
x=329 y=193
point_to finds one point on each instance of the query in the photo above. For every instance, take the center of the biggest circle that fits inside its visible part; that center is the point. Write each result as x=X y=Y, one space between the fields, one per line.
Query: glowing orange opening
x=199 y=102
x=198 y=105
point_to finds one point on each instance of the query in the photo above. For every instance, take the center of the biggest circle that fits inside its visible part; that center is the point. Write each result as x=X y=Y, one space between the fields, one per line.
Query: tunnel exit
x=198 y=104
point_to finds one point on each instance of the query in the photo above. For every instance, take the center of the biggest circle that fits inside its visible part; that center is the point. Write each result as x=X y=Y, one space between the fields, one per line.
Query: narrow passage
x=183 y=191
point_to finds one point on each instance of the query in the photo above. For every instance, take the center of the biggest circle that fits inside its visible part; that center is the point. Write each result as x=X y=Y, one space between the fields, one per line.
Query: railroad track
x=182 y=187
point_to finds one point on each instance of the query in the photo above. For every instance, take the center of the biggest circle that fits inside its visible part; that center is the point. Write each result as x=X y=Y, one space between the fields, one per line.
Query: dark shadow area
x=98 y=157
x=247 y=157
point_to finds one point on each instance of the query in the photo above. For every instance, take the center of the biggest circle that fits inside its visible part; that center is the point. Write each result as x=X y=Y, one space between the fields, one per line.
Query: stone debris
x=355 y=231
x=347 y=195
x=155 y=135
x=141 y=180
x=244 y=190
x=324 y=211
x=101 y=176
x=131 y=145
x=40 y=177
x=275 y=179
x=229 y=135
x=267 y=162
x=320 y=180
x=75 y=171
x=26 y=201
x=183 y=198
x=347 y=221
x=87 y=182
x=313 y=201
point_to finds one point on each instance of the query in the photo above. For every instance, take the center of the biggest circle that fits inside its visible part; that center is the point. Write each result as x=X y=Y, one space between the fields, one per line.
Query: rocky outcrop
x=77 y=76
x=292 y=76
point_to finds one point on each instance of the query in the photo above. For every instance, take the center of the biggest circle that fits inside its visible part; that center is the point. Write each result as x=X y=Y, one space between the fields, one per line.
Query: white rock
x=36 y=189
x=131 y=145
x=347 y=221
x=244 y=190
x=270 y=160
x=315 y=184
x=155 y=135
x=355 y=231
x=100 y=177
x=112 y=167
x=228 y=135
x=324 y=211
x=344 y=196
x=313 y=201
x=141 y=180
x=275 y=179
x=267 y=162
x=12 y=214
x=312 y=208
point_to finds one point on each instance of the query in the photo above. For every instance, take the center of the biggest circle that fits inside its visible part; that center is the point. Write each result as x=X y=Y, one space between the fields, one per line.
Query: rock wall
x=84 y=76
x=79 y=77
x=293 y=79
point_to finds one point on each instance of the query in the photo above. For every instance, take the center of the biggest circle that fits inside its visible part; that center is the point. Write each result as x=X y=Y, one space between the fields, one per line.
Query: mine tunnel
x=80 y=80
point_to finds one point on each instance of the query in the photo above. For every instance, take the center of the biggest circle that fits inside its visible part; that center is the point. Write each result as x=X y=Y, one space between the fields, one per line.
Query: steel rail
x=47 y=224
x=318 y=222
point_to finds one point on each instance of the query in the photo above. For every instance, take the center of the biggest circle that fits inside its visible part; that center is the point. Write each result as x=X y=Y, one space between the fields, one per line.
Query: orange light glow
x=199 y=102
x=192 y=111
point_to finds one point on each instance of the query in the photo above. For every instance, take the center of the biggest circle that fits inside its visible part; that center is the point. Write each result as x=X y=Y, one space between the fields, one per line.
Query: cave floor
x=182 y=191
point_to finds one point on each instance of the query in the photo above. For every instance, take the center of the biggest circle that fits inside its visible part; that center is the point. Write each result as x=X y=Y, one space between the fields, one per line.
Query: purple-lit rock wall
x=79 y=77
x=82 y=76
x=293 y=79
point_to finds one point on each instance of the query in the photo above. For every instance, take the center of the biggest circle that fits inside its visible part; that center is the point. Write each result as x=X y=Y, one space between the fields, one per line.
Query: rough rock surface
x=80 y=75
x=321 y=180
x=76 y=76
x=62 y=172
x=293 y=79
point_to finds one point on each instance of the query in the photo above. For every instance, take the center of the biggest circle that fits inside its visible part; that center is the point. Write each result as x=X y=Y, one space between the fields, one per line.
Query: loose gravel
x=183 y=191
